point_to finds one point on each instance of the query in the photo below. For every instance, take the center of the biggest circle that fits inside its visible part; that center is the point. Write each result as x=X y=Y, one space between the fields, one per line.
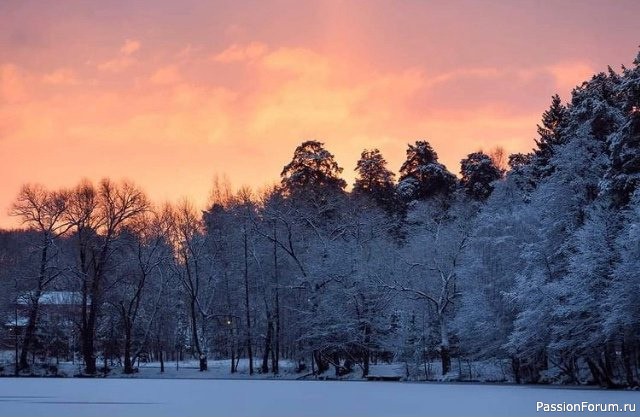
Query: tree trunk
x=609 y=359
x=336 y=363
x=267 y=344
x=33 y=313
x=202 y=358
x=321 y=364
x=598 y=370
x=232 y=346
x=246 y=302
x=16 y=370
x=595 y=372
x=128 y=366
x=29 y=331
x=275 y=361
x=626 y=360
x=366 y=351
x=89 y=327
x=445 y=356
x=515 y=366
x=88 y=348
x=203 y=363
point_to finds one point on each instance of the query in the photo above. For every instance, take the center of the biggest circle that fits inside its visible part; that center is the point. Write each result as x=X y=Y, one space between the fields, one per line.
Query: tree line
x=533 y=260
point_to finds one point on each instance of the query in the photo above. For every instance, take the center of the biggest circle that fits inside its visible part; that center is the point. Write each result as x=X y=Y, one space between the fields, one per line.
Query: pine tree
x=550 y=133
x=312 y=168
x=478 y=173
x=519 y=160
x=422 y=176
x=374 y=179
x=624 y=174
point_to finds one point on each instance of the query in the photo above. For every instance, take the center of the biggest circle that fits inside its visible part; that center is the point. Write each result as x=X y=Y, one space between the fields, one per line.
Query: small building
x=56 y=330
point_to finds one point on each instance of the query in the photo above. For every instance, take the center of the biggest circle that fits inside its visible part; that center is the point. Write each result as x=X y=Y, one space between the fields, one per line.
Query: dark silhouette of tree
x=374 y=179
x=422 y=176
x=98 y=216
x=312 y=168
x=550 y=133
x=519 y=160
x=42 y=211
x=478 y=173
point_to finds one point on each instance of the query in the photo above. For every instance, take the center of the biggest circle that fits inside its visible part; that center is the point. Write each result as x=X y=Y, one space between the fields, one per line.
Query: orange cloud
x=124 y=60
x=13 y=86
x=116 y=65
x=166 y=75
x=62 y=76
x=570 y=74
x=130 y=46
x=239 y=53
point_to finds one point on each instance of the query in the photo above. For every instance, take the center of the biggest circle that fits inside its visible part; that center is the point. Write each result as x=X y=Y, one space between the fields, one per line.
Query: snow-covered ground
x=184 y=397
x=479 y=371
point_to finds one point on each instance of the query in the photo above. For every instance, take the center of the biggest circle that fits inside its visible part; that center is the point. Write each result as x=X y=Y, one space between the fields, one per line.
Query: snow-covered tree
x=43 y=211
x=312 y=168
x=374 y=180
x=194 y=270
x=478 y=174
x=98 y=217
x=422 y=176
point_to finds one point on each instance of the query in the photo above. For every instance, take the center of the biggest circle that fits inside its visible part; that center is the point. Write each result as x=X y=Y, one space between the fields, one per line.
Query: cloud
x=301 y=61
x=570 y=74
x=240 y=53
x=477 y=73
x=166 y=75
x=130 y=46
x=13 y=83
x=117 y=64
x=62 y=76
x=124 y=60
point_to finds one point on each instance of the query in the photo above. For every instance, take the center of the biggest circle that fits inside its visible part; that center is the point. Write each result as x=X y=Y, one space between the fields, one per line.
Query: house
x=57 y=311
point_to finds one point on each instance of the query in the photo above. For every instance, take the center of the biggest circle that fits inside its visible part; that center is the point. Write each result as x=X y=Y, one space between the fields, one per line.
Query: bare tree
x=499 y=157
x=42 y=211
x=246 y=214
x=194 y=271
x=99 y=215
x=147 y=253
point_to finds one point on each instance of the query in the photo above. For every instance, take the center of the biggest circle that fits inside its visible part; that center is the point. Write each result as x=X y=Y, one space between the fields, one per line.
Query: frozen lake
x=187 y=397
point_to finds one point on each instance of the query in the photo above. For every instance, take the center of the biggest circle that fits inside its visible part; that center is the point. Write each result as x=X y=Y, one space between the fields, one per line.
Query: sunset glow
x=169 y=94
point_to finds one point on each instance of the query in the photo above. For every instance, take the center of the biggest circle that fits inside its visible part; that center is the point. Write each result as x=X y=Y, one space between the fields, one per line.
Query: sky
x=170 y=94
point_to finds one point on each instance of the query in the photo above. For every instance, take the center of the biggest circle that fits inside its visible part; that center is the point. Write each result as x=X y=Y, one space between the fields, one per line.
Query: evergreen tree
x=478 y=173
x=422 y=176
x=374 y=179
x=519 y=160
x=550 y=133
x=312 y=168
x=624 y=174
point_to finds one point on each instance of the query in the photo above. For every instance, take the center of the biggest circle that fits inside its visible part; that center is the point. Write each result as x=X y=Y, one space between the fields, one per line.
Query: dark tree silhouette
x=478 y=173
x=312 y=167
x=422 y=176
x=374 y=179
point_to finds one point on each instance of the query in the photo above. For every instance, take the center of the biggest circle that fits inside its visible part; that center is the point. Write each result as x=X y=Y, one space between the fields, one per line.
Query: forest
x=532 y=259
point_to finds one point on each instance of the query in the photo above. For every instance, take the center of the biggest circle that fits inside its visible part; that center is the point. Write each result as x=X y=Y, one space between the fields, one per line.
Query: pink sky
x=169 y=93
